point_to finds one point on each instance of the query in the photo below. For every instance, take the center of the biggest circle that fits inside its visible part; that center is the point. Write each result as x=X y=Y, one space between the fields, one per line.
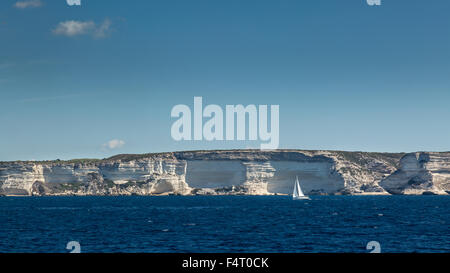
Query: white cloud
x=28 y=4
x=114 y=144
x=74 y=28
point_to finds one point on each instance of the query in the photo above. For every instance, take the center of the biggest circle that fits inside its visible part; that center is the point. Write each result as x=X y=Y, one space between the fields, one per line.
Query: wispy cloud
x=28 y=4
x=103 y=30
x=113 y=144
x=74 y=28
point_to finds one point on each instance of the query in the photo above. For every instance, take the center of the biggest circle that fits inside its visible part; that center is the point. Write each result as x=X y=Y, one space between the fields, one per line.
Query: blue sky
x=347 y=76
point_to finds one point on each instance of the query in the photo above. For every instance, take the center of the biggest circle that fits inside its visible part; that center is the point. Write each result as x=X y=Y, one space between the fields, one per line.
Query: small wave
x=192 y=208
x=113 y=208
x=59 y=208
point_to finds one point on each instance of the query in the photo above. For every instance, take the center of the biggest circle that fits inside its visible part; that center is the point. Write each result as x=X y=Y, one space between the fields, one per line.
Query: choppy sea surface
x=225 y=224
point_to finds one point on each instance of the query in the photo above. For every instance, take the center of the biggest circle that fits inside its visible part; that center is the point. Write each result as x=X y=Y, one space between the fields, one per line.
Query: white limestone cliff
x=233 y=172
x=420 y=173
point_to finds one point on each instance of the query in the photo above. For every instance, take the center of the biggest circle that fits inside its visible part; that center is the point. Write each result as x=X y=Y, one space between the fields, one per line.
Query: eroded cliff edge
x=251 y=172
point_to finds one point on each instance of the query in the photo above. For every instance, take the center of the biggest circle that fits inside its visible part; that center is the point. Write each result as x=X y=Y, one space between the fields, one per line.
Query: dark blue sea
x=225 y=224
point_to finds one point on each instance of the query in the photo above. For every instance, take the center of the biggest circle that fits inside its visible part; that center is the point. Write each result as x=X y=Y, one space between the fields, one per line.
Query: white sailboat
x=298 y=193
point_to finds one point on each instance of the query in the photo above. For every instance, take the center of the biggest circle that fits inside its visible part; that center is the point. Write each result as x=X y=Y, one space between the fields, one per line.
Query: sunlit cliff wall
x=233 y=172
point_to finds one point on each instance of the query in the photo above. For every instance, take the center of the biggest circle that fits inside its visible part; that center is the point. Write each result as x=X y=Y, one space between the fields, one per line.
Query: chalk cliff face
x=232 y=172
x=419 y=173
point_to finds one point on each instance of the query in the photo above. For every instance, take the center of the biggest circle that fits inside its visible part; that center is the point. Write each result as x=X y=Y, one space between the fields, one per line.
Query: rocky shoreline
x=232 y=172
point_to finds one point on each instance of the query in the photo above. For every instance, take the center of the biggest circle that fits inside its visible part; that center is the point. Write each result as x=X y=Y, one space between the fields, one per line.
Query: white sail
x=298 y=193
x=295 y=194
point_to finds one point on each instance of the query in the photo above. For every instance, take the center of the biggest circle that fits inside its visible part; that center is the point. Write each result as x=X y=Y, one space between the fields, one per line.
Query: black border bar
x=225 y=262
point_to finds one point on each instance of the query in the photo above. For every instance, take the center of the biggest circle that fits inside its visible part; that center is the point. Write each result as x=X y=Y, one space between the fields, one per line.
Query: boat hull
x=301 y=198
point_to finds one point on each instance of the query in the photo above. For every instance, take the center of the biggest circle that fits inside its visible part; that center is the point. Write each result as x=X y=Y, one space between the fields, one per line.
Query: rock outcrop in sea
x=247 y=172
